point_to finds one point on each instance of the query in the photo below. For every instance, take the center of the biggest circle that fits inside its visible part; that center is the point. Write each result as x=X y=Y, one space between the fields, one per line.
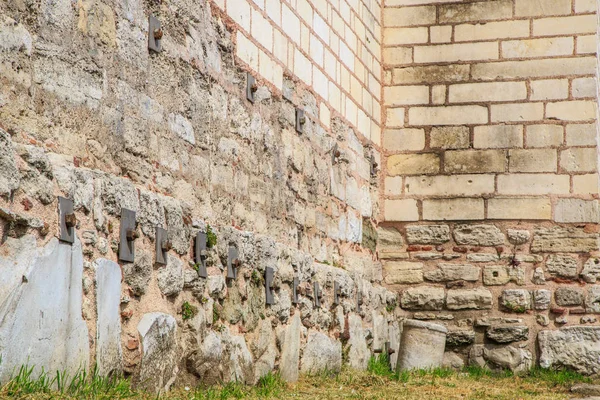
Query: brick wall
x=490 y=110
x=332 y=46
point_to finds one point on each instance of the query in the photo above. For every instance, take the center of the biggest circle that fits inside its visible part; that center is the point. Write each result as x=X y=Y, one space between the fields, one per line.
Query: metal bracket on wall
x=66 y=219
x=155 y=34
x=295 y=291
x=233 y=263
x=269 y=275
x=200 y=253
x=251 y=87
x=385 y=350
x=317 y=295
x=337 y=293
x=163 y=245
x=359 y=300
x=127 y=235
x=374 y=166
x=335 y=154
x=300 y=120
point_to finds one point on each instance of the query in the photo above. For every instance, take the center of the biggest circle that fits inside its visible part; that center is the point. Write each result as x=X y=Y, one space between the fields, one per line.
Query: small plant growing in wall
x=256 y=278
x=211 y=237
x=188 y=311
x=516 y=308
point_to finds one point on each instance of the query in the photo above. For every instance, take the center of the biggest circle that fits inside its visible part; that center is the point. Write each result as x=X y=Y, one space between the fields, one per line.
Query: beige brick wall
x=331 y=46
x=491 y=110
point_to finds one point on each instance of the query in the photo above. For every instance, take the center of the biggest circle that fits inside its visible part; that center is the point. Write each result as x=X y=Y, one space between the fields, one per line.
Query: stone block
x=401 y=210
x=574 y=347
x=442 y=53
x=491 y=30
x=409 y=16
x=449 y=137
x=519 y=208
x=321 y=353
x=475 y=161
x=413 y=164
x=496 y=275
x=533 y=184
x=585 y=184
x=448 y=115
x=482 y=257
x=453 y=272
x=402 y=272
x=544 y=135
x=487 y=92
x=389 y=242
x=453 y=209
x=497 y=136
x=526 y=8
x=518 y=236
x=592 y=299
x=533 y=160
x=431 y=74
x=581 y=134
x=467 y=12
x=507 y=333
x=465 y=299
x=478 y=235
x=562 y=265
x=579 y=160
x=517 y=112
x=424 y=298
x=591 y=270
x=462 y=337
x=516 y=300
x=576 y=210
x=550 y=89
x=404 y=139
x=542 y=299
x=564 y=25
x=533 y=68
x=404 y=95
x=400 y=36
x=568 y=296
x=450 y=185
x=584 y=87
x=563 y=240
x=427 y=234
x=532 y=48
x=576 y=110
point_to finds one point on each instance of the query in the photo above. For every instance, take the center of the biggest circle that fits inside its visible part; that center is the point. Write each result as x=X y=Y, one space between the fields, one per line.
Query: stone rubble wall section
x=334 y=47
x=87 y=112
x=495 y=286
x=491 y=110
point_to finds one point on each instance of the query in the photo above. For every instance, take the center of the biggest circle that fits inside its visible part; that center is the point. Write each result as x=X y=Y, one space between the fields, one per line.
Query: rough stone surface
x=321 y=354
x=518 y=236
x=158 y=336
x=170 y=277
x=592 y=299
x=586 y=389
x=422 y=298
x=427 y=234
x=402 y=272
x=508 y=357
x=290 y=350
x=137 y=274
x=539 y=278
x=453 y=360
x=516 y=300
x=9 y=179
x=562 y=265
x=478 y=235
x=542 y=299
x=41 y=294
x=591 y=270
x=358 y=353
x=507 y=333
x=494 y=275
x=463 y=299
x=574 y=347
x=389 y=242
x=422 y=345
x=568 y=296
x=456 y=338
x=563 y=240
x=453 y=272
x=108 y=324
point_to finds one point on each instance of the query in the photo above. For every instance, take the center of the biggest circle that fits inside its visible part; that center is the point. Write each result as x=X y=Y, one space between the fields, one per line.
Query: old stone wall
x=490 y=180
x=89 y=113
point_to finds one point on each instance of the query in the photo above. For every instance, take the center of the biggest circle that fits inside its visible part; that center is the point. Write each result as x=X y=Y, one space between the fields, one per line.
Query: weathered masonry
x=210 y=190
